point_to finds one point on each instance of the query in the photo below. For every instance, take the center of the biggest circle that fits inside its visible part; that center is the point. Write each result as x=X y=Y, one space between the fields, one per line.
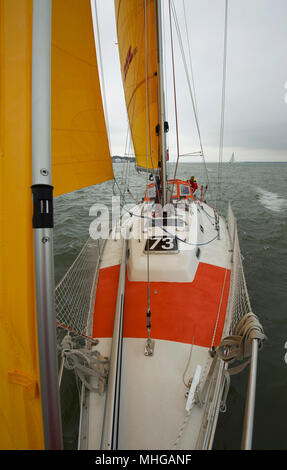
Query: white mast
x=43 y=223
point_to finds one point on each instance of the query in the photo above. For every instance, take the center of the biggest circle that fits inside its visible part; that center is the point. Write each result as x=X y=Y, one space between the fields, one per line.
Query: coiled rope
x=89 y=365
x=237 y=346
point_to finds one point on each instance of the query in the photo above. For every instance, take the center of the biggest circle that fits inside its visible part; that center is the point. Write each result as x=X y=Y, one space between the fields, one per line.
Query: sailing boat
x=232 y=158
x=165 y=309
x=173 y=295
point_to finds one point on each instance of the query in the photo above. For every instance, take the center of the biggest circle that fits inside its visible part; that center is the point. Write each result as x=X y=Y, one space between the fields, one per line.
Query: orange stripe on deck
x=180 y=311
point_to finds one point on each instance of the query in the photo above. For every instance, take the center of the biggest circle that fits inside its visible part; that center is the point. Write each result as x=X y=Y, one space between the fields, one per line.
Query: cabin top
x=180 y=190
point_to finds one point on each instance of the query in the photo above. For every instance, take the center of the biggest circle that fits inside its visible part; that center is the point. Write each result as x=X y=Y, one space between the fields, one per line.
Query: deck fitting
x=149 y=347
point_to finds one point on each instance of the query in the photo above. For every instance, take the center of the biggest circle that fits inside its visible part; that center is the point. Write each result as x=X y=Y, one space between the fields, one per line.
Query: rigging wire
x=147 y=44
x=147 y=151
x=97 y=36
x=190 y=89
x=129 y=149
x=169 y=233
x=219 y=179
x=100 y=57
x=189 y=55
x=174 y=90
x=149 y=94
x=132 y=214
x=165 y=64
x=140 y=38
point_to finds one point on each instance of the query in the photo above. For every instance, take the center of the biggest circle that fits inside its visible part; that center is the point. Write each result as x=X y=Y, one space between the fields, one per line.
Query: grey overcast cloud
x=256 y=78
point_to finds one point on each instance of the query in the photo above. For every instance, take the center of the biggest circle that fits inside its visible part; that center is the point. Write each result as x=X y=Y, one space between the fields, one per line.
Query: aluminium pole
x=160 y=72
x=43 y=223
x=250 y=401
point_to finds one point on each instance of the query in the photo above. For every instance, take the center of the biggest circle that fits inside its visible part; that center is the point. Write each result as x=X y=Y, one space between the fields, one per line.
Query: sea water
x=258 y=196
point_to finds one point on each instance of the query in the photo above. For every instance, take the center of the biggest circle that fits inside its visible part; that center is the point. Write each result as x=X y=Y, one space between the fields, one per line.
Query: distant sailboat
x=232 y=159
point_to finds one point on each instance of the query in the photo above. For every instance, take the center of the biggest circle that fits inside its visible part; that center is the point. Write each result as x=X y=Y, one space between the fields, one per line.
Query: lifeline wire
x=171 y=234
x=162 y=228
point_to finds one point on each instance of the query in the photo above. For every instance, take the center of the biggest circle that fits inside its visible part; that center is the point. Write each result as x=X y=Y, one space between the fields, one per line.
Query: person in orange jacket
x=193 y=184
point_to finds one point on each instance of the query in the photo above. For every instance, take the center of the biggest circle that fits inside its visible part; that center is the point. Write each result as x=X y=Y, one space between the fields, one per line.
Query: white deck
x=155 y=395
x=153 y=392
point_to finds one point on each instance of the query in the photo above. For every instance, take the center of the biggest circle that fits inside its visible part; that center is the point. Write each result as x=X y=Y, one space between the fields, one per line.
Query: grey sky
x=256 y=112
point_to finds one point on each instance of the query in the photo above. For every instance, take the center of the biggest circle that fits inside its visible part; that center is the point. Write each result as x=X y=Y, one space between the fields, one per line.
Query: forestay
x=136 y=29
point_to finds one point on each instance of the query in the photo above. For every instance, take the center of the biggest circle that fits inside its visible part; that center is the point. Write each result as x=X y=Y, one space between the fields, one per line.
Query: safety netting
x=244 y=325
x=239 y=302
x=75 y=293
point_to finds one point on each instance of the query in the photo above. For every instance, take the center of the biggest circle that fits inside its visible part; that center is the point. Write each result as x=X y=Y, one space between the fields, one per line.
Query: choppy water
x=258 y=194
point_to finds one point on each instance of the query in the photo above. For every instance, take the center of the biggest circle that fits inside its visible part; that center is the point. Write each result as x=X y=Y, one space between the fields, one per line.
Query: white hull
x=154 y=390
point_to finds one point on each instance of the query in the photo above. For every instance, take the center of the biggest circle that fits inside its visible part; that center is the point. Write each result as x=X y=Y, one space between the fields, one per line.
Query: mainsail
x=80 y=157
x=136 y=29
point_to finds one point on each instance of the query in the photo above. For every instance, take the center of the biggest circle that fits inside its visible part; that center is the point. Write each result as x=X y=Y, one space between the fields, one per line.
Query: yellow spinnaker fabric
x=80 y=149
x=137 y=50
x=20 y=401
x=80 y=158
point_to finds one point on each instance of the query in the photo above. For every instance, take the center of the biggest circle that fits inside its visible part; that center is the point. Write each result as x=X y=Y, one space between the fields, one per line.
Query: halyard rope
x=219 y=308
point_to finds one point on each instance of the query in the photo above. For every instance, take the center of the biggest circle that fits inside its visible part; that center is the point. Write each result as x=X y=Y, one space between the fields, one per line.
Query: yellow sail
x=80 y=158
x=20 y=401
x=80 y=149
x=137 y=51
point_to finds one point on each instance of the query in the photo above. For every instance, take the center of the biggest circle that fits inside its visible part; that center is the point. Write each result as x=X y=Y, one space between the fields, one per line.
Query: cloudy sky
x=256 y=81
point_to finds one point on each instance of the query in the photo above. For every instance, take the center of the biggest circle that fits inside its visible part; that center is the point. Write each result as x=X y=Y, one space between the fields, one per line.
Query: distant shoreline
x=119 y=159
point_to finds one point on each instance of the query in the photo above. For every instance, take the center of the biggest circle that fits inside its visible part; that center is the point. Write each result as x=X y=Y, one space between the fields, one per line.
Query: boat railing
x=239 y=304
x=75 y=293
x=245 y=325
